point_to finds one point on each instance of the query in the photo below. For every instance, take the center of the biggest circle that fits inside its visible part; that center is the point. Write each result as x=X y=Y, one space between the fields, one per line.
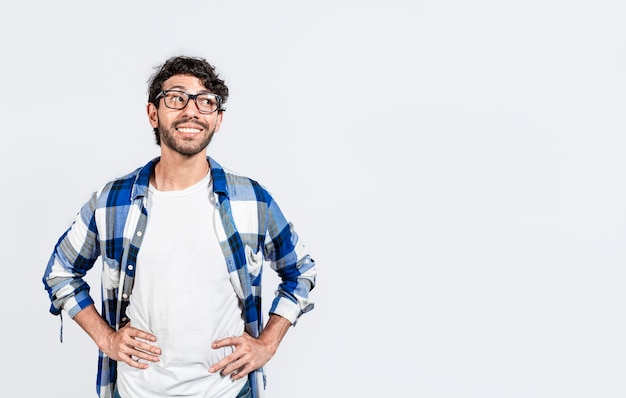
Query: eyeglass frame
x=193 y=97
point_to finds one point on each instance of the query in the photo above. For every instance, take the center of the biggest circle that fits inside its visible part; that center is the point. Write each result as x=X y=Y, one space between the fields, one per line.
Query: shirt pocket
x=110 y=274
x=254 y=260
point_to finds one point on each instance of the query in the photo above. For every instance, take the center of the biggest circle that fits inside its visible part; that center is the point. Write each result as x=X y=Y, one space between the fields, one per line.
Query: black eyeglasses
x=207 y=103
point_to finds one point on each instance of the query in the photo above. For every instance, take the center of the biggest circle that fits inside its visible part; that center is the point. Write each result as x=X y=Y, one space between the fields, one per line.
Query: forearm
x=274 y=331
x=94 y=325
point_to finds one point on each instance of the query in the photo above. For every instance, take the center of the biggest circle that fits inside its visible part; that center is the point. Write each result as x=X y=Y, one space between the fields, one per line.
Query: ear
x=218 y=121
x=153 y=116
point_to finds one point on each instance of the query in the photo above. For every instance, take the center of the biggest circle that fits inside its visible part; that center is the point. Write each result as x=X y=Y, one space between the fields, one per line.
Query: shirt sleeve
x=74 y=254
x=295 y=267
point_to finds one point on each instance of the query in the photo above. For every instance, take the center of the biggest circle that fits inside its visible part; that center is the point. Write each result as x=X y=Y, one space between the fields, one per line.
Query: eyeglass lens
x=178 y=100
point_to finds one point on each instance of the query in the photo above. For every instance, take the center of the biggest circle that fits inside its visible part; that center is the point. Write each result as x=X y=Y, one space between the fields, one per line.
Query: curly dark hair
x=184 y=65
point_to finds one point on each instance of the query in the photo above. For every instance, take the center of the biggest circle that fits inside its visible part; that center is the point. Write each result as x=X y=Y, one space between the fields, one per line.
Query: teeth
x=188 y=130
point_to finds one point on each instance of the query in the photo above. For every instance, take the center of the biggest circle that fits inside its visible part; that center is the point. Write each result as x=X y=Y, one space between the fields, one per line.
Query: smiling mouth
x=188 y=130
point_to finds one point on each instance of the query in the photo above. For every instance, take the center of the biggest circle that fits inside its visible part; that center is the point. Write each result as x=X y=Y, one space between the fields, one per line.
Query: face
x=185 y=131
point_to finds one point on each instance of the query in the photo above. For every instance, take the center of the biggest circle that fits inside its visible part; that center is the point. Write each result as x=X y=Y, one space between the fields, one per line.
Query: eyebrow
x=181 y=88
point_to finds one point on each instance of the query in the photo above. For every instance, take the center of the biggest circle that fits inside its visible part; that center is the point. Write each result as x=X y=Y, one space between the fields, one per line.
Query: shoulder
x=125 y=188
x=238 y=186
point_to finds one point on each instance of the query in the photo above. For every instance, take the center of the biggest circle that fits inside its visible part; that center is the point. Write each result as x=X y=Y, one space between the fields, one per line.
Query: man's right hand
x=129 y=344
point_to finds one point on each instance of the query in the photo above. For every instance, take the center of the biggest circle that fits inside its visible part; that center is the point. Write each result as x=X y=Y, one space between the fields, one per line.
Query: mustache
x=190 y=121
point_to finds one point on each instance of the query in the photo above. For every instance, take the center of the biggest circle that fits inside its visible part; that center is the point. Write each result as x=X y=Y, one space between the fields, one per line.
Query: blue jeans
x=246 y=392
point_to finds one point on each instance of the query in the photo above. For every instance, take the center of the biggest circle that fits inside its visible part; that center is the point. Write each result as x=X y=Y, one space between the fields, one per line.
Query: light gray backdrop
x=456 y=169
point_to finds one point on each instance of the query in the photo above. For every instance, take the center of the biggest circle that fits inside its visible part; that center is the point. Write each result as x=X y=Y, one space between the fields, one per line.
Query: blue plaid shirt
x=111 y=226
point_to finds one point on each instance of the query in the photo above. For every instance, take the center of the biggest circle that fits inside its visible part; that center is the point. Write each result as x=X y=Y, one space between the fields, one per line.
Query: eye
x=175 y=97
x=206 y=100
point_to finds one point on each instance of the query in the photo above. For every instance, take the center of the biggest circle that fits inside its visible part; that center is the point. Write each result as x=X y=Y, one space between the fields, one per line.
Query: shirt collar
x=142 y=179
x=219 y=177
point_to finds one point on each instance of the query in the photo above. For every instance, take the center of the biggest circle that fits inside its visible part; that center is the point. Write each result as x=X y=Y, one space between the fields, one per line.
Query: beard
x=184 y=146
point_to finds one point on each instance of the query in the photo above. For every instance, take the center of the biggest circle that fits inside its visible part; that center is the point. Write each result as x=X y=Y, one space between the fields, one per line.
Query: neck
x=178 y=173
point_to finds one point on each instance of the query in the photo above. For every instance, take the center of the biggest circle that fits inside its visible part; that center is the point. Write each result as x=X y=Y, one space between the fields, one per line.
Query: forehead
x=184 y=82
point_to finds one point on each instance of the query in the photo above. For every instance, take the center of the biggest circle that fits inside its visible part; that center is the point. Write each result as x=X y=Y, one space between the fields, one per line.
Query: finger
x=237 y=370
x=145 y=347
x=139 y=334
x=134 y=362
x=219 y=366
x=228 y=341
x=138 y=349
x=227 y=360
x=139 y=354
x=132 y=355
x=137 y=339
x=239 y=373
x=235 y=365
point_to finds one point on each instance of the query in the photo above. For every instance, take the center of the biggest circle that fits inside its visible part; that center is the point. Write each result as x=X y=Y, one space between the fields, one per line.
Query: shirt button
x=130 y=267
x=139 y=233
x=124 y=319
x=125 y=295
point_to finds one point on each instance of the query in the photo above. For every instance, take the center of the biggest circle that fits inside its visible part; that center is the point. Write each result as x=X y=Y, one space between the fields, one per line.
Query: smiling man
x=183 y=242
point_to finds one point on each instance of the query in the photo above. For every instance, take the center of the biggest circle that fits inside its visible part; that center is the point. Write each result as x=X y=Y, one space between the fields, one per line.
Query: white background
x=456 y=169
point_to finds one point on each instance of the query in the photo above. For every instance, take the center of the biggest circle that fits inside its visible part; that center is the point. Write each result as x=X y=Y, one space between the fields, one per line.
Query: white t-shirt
x=182 y=295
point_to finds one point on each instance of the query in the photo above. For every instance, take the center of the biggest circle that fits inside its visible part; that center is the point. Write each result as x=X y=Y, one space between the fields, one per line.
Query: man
x=183 y=242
